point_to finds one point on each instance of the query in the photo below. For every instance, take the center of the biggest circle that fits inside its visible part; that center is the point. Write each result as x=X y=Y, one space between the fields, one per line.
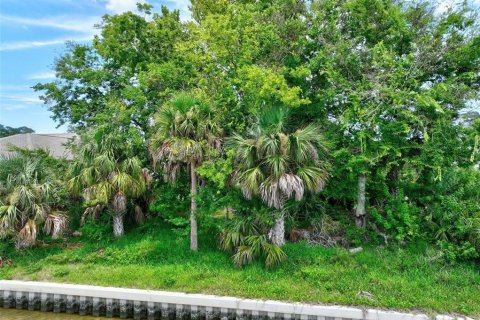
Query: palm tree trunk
x=118 y=225
x=228 y=211
x=360 y=214
x=277 y=232
x=193 y=208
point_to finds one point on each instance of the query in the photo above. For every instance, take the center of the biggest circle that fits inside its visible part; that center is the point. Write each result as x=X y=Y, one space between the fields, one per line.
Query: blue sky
x=33 y=33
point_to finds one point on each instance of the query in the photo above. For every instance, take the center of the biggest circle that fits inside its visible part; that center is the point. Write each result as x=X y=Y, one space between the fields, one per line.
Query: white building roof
x=54 y=143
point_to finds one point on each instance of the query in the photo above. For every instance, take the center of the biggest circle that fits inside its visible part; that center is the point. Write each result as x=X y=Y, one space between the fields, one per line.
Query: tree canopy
x=388 y=84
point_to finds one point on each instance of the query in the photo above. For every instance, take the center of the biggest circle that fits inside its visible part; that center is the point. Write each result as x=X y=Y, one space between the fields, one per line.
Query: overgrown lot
x=154 y=257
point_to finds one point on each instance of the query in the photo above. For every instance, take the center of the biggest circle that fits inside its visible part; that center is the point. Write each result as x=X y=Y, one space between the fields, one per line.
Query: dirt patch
x=74 y=245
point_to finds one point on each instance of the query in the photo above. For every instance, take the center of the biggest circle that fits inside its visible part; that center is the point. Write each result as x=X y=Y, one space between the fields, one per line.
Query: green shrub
x=95 y=231
x=398 y=218
x=307 y=212
x=4 y=247
x=172 y=204
x=454 y=214
x=246 y=237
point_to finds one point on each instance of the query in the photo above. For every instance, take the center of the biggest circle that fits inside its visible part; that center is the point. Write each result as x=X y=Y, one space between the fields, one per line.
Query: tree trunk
x=360 y=214
x=118 y=225
x=228 y=211
x=193 y=208
x=277 y=232
x=393 y=178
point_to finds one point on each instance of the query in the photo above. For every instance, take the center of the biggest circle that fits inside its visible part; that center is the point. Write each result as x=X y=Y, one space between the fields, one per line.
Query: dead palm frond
x=277 y=165
x=139 y=215
x=55 y=224
x=4 y=261
x=105 y=180
x=92 y=213
x=26 y=196
x=27 y=235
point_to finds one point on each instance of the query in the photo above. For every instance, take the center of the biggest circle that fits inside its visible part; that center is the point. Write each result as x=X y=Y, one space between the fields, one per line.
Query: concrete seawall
x=147 y=304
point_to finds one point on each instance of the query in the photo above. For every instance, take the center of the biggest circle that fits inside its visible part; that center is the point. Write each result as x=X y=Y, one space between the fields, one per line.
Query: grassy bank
x=153 y=257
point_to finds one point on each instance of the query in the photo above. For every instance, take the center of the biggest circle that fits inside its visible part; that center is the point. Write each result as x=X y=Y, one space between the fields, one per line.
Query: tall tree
x=185 y=134
x=278 y=163
x=107 y=77
x=106 y=180
x=381 y=74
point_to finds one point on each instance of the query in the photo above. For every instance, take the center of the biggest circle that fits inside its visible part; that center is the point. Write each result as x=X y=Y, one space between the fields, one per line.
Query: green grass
x=154 y=257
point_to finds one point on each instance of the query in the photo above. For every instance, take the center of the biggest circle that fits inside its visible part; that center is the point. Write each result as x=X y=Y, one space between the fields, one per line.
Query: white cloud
x=13 y=88
x=42 y=75
x=17 y=98
x=83 y=25
x=120 y=6
x=78 y=24
x=12 y=107
x=16 y=45
x=20 y=98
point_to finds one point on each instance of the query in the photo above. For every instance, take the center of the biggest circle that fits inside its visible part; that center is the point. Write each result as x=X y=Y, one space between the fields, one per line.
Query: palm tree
x=105 y=180
x=27 y=196
x=244 y=235
x=277 y=164
x=185 y=134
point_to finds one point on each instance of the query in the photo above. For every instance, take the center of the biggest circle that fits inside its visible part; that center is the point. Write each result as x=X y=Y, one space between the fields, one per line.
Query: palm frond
x=314 y=178
x=268 y=146
x=271 y=193
x=276 y=164
x=291 y=184
x=55 y=224
x=272 y=120
x=229 y=240
x=139 y=215
x=27 y=235
x=243 y=256
x=282 y=159
x=249 y=181
x=274 y=255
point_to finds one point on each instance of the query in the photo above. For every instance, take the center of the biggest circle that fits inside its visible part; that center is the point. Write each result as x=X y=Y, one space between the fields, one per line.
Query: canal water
x=14 y=314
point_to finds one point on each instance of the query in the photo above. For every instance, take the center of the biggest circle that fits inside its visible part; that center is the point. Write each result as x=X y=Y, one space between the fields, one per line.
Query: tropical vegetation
x=280 y=134
x=106 y=181
x=29 y=196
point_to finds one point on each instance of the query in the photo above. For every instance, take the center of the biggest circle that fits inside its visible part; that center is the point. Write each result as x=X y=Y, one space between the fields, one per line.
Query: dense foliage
x=30 y=195
x=277 y=165
x=185 y=133
x=107 y=180
x=376 y=94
